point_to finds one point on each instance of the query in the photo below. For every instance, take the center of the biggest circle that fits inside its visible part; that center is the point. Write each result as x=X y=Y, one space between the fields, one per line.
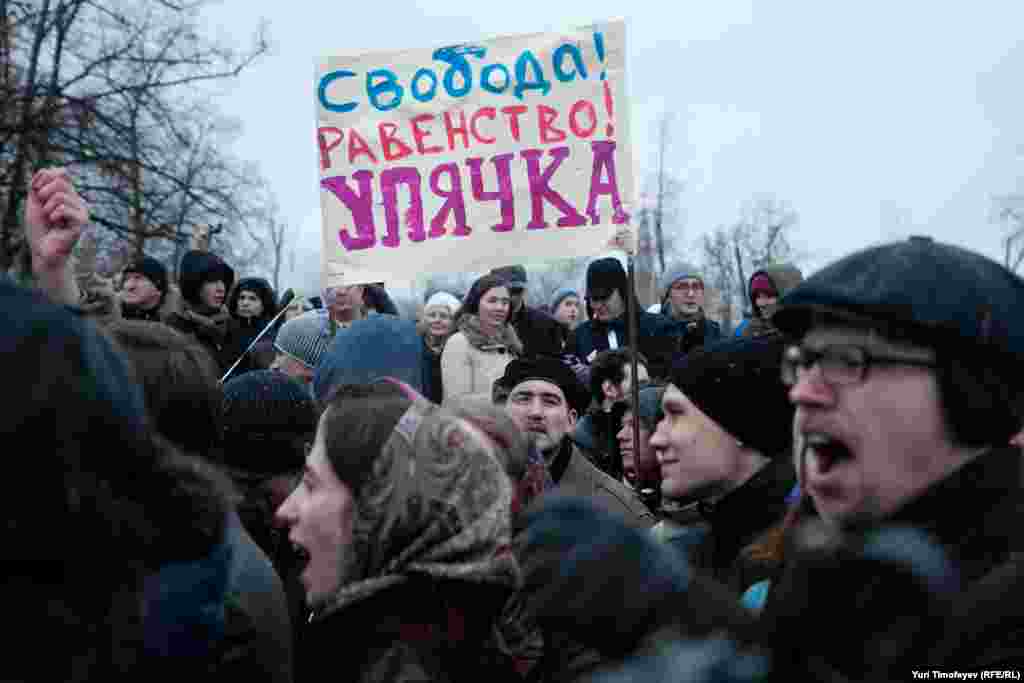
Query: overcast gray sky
x=874 y=119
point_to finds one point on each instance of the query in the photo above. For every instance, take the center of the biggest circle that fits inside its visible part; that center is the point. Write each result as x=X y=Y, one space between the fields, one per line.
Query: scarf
x=212 y=323
x=505 y=340
x=437 y=504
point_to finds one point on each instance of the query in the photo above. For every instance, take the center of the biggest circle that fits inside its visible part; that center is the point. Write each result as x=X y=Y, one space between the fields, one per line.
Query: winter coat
x=242 y=331
x=562 y=657
x=737 y=520
x=102 y=305
x=224 y=614
x=785 y=277
x=962 y=619
x=434 y=383
x=420 y=630
x=471 y=362
x=575 y=475
x=257 y=643
x=657 y=337
x=540 y=334
x=694 y=332
x=207 y=326
x=601 y=587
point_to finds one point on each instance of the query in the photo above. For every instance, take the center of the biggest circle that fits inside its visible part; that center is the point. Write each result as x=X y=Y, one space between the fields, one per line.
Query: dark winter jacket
x=599 y=587
x=596 y=435
x=657 y=337
x=540 y=334
x=785 y=277
x=694 y=332
x=433 y=380
x=420 y=630
x=257 y=643
x=224 y=614
x=737 y=520
x=945 y=619
x=208 y=326
x=242 y=331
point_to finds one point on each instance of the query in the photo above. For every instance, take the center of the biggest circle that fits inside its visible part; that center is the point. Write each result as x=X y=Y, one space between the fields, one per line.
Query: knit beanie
x=762 y=284
x=305 y=338
x=604 y=276
x=685 y=271
x=560 y=296
x=738 y=385
x=264 y=412
x=443 y=299
x=368 y=350
x=151 y=269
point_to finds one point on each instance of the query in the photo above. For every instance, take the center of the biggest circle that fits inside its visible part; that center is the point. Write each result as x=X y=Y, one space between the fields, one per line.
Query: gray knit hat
x=682 y=272
x=305 y=338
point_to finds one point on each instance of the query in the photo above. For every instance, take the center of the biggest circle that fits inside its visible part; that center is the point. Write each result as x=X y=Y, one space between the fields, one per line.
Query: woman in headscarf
x=402 y=520
x=476 y=356
x=435 y=326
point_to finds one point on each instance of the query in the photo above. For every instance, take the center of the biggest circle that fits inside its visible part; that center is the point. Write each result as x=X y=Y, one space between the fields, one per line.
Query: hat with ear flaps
x=738 y=384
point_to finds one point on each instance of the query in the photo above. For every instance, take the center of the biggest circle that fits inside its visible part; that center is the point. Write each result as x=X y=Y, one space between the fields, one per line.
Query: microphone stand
x=254 y=342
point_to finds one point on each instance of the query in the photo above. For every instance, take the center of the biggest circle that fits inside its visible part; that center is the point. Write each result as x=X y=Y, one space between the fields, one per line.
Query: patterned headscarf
x=436 y=503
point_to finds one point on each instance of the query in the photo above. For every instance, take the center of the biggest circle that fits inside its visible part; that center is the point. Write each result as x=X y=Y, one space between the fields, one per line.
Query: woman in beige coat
x=476 y=355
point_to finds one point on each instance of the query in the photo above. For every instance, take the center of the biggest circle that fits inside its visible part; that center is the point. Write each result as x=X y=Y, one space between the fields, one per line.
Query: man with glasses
x=906 y=383
x=683 y=301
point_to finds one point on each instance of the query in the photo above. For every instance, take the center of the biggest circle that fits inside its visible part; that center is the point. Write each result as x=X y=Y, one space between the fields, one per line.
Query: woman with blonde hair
x=435 y=326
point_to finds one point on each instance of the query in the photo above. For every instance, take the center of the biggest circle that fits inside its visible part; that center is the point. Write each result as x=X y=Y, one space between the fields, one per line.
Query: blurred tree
x=759 y=238
x=1009 y=212
x=115 y=91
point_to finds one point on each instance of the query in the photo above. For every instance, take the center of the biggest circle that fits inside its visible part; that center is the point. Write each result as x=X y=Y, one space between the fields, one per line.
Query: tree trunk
x=744 y=294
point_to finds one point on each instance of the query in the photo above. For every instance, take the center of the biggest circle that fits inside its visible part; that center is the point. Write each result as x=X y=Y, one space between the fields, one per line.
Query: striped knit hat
x=305 y=338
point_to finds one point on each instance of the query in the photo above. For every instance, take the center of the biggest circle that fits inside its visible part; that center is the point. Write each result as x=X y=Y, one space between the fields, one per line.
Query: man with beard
x=544 y=399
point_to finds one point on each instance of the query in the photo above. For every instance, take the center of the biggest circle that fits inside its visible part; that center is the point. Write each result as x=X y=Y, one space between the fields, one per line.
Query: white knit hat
x=305 y=338
x=443 y=299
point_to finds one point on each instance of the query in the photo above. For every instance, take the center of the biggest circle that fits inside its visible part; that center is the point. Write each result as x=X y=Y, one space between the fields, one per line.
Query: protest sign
x=471 y=156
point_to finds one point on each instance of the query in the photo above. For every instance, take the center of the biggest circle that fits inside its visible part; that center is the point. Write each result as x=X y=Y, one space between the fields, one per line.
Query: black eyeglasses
x=841 y=364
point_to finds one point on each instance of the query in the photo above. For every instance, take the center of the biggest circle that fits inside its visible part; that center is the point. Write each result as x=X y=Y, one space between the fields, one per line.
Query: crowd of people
x=222 y=482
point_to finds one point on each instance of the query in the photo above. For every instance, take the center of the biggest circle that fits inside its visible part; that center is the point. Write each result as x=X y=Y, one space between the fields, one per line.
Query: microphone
x=285 y=300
